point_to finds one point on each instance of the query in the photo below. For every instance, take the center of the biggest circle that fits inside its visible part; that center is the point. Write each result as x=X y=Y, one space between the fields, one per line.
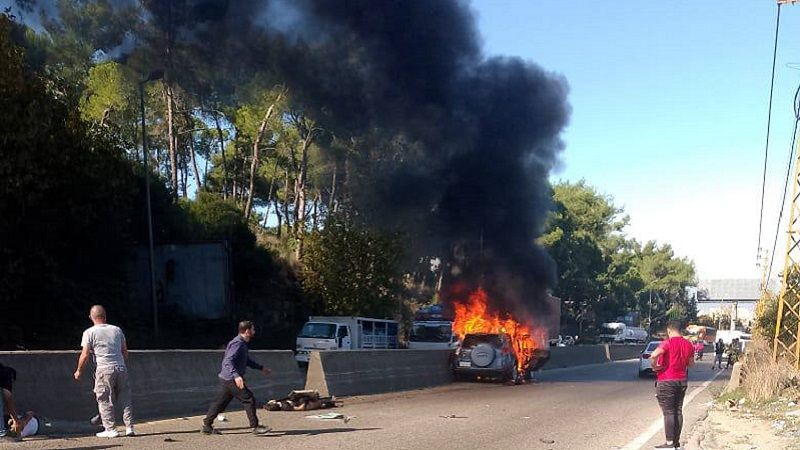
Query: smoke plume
x=473 y=137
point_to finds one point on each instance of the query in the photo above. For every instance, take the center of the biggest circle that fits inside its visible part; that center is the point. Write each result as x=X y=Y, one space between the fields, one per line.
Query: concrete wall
x=165 y=383
x=362 y=372
x=561 y=357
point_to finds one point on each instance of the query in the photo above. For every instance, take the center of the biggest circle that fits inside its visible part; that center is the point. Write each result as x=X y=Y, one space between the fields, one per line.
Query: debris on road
x=303 y=400
x=331 y=416
x=546 y=441
x=222 y=418
x=453 y=416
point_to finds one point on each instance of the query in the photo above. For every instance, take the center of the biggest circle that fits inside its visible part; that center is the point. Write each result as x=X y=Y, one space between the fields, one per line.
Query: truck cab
x=344 y=333
x=322 y=336
x=432 y=335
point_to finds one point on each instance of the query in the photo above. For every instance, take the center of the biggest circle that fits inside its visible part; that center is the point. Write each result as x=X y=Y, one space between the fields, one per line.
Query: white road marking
x=658 y=424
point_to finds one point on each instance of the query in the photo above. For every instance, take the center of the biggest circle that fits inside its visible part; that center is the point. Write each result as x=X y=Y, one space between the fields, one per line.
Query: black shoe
x=668 y=445
x=209 y=430
x=261 y=429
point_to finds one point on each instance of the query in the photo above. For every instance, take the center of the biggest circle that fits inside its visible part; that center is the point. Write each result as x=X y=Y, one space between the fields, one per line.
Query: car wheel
x=642 y=374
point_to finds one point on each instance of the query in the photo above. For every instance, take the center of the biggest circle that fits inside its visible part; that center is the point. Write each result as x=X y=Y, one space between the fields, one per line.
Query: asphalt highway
x=591 y=407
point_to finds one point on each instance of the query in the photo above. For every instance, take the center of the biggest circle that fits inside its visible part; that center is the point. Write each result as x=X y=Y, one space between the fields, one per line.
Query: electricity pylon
x=787 y=326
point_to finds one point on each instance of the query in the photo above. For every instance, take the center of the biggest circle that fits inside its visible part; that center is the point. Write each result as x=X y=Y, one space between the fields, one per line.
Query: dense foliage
x=239 y=154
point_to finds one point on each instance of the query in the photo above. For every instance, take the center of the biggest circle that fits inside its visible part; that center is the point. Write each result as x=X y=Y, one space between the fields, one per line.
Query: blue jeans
x=3 y=430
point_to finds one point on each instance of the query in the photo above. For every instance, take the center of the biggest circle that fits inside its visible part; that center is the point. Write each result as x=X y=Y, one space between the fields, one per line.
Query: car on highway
x=645 y=367
x=487 y=355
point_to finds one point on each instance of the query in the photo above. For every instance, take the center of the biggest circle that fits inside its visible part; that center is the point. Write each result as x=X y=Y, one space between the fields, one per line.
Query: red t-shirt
x=678 y=352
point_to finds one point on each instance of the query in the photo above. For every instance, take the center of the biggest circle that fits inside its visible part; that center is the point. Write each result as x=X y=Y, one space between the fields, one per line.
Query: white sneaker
x=129 y=432
x=112 y=433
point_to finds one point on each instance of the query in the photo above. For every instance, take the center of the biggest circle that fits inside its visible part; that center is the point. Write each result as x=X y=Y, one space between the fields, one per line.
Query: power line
x=769 y=123
x=786 y=183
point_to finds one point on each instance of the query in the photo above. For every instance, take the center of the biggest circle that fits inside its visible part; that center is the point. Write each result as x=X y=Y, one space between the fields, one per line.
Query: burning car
x=492 y=346
x=486 y=354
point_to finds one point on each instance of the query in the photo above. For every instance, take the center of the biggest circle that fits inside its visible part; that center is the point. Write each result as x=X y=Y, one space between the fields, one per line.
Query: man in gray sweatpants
x=111 y=385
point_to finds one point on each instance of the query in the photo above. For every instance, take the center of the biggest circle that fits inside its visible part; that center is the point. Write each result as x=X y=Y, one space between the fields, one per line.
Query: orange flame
x=473 y=316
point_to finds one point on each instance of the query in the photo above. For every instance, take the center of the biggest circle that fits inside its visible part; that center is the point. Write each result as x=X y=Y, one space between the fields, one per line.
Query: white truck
x=432 y=335
x=431 y=330
x=345 y=333
x=619 y=333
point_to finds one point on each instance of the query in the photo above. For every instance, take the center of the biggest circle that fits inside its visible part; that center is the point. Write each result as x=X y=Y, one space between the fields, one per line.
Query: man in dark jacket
x=232 y=382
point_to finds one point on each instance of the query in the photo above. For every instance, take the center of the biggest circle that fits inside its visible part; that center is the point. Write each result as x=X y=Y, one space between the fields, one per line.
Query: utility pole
x=787 y=326
x=154 y=75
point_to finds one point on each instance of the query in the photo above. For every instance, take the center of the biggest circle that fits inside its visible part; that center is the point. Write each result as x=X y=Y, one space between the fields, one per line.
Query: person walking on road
x=232 y=382
x=111 y=383
x=671 y=360
x=719 y=349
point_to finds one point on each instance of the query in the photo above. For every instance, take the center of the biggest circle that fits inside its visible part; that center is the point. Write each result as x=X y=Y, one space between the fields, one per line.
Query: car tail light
x=645 y=355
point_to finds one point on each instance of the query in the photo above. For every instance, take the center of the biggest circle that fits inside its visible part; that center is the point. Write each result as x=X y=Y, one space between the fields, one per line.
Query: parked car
x=645 y=367
x=486 y=354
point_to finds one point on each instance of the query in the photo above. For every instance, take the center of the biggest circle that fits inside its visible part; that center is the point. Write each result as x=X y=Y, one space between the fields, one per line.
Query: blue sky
x=669 y=106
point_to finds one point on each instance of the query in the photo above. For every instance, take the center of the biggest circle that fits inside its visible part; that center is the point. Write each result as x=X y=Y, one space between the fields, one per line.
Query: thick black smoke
x=480 y=134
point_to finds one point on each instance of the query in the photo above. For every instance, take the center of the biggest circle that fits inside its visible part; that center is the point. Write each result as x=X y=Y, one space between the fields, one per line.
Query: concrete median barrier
x=623 y=352
x=561 y=357
x=361 y=372
x=164 y=382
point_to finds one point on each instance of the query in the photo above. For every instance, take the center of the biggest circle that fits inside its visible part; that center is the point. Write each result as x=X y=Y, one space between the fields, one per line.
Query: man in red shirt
x=670 y=362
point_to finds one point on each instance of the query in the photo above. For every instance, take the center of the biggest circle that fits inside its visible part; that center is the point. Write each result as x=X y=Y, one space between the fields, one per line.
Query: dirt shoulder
x=741 y=427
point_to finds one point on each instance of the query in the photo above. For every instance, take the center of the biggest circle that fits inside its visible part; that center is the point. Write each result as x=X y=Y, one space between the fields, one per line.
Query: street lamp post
x=154 y=75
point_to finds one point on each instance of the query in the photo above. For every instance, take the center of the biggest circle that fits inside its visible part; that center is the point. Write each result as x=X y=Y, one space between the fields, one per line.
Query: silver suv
x=486 y=355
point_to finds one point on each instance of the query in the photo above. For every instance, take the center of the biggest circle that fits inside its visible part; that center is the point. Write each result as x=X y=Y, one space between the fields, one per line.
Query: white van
x=345 y=333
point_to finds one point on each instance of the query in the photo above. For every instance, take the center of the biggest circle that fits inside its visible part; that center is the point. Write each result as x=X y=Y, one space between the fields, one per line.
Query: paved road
x=591 y=407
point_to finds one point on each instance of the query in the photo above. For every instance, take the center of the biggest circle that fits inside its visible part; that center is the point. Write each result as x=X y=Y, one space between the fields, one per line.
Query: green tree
x=351 y=270
x=583 y=237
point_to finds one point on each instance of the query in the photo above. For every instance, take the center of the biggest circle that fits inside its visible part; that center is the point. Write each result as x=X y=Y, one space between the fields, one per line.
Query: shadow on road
x=197 y=431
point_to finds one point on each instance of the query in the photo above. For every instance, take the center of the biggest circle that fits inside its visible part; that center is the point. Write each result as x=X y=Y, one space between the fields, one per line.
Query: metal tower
x=787 y=326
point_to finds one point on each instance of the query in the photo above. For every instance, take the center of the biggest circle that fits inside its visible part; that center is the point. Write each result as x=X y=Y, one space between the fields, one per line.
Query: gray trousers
x=112 y=388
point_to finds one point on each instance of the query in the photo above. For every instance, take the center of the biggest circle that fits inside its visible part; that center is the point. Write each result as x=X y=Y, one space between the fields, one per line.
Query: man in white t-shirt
x=111 y=385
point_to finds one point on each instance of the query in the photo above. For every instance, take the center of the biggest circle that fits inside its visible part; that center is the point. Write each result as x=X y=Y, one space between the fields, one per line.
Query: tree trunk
x=280 y=220
x=173 y=154
x=221 y=139
x=192 y=152
x=333 y=189
x=271 y=190
x=300 y=189
x=286 y=200
x=262 y=128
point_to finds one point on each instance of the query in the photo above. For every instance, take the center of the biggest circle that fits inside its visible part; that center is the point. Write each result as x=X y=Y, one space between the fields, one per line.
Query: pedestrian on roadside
x=111 y=384
x=10 y=426
x=719 y=350
x=699 y=348
x=671 y=360
x=733 y=353
x=232 y=383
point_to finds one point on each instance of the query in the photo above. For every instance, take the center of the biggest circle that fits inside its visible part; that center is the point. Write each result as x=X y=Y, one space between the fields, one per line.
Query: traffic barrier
x=164 y=383
x=362 y=372
x=623 y=352
x=580 y=355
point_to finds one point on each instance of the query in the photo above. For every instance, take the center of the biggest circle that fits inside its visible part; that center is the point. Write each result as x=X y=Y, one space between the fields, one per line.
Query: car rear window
x=651 y=347
x=471 y=340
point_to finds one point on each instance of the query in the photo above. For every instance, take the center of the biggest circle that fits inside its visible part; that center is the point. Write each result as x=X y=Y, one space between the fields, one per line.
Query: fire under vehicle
x=345 y=333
